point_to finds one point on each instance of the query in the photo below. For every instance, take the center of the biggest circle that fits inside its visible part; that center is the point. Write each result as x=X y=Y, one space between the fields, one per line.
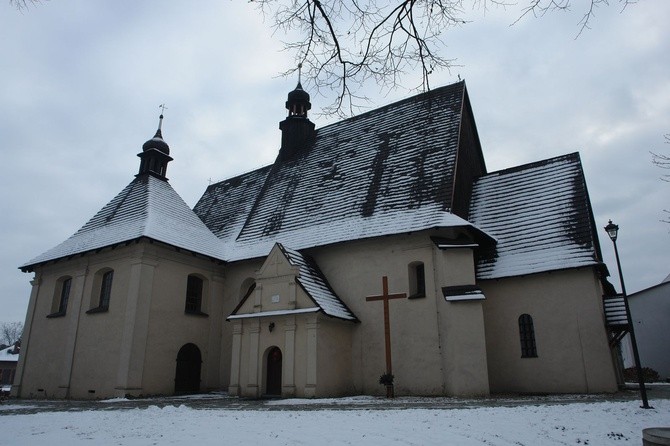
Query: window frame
x=527 y=336
x=61 y=297
x=104 y=281
x=195 y=295
x=417 y=280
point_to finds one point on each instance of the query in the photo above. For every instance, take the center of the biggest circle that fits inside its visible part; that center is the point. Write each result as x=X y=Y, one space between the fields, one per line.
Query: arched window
x=102 y=282
x=527 y=336
x=61 y=297
x=194 y=287
x=106 y=289
x=417 y=280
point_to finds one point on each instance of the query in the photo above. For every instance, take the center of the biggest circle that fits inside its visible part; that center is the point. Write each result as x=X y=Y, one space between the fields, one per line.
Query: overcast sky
x=81 y=81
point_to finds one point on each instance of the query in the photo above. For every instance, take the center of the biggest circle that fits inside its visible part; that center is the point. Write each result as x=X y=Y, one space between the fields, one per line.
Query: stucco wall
x=650 y=310
x=420 y=334
x=334 y=357
x=131 y=347
x=170 y=327
x=572 y=349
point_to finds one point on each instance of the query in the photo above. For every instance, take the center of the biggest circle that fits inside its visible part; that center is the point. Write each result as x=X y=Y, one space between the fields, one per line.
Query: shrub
x=386 y=379
x=649 y=375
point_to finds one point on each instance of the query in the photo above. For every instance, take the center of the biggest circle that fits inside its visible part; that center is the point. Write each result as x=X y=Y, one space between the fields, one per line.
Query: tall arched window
x=527 y=336
x=102 y=282
x=417 y=280
x=61 y=297
x=194 y=295
x=106 y=289
x=64 y=295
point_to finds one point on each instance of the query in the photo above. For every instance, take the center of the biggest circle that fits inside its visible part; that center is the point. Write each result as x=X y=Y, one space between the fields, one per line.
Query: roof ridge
x=569 y=156
x=417 y=97
x=237 y=177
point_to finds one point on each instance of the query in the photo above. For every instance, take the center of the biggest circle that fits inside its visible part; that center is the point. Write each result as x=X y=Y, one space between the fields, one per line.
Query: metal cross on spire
x=160 y=118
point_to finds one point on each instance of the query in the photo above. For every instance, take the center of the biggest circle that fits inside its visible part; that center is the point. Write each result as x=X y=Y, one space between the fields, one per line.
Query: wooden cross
x=387 y=325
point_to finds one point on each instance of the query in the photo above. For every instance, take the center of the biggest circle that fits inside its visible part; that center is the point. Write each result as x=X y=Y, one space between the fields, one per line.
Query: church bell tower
x=297 y=130
x=155 y=155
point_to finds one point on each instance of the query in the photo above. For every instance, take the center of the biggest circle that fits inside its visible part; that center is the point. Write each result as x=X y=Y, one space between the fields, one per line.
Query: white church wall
x=238 y=276
x=99 y=337
x=131 y=347
x=170 y=327
x=461 y=326
x=355 y=270
x=572 y=349
x=48 y=343
x=334 y=357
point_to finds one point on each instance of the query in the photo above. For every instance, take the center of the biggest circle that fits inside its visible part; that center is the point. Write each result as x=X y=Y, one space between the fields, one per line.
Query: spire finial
x=160 y=119
x=299 y=72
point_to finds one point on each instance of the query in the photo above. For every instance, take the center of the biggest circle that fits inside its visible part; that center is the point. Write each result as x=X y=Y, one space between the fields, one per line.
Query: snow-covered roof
x=540 y=215
x=7 y=355
x=388 y=171
x=462 y=292
x=274 y=313
x=147 y=207
x=405 y=167
x=313 y=282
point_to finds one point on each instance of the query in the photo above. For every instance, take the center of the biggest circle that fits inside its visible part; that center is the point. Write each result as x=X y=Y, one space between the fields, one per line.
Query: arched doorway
x=273 y=378
x=187 y=375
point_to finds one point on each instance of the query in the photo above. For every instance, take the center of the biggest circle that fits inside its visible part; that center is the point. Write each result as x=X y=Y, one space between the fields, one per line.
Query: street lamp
x=612 y=232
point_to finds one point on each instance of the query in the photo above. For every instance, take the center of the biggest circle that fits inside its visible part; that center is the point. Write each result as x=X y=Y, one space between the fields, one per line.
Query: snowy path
x=601 y=423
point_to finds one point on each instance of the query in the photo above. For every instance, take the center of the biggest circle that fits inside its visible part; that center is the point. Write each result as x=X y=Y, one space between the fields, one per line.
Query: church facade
x=378 y=245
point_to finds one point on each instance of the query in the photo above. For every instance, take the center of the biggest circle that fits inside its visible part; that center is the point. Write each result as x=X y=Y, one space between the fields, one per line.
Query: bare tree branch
x=342 y=44
x=663 y=161
x=10 y=332
x=23 y=5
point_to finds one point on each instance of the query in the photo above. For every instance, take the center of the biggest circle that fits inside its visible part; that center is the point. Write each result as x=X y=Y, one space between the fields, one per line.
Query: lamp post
x=613 y=231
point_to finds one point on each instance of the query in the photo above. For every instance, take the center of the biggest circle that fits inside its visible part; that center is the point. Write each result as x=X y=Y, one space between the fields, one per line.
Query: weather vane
x=163 y=108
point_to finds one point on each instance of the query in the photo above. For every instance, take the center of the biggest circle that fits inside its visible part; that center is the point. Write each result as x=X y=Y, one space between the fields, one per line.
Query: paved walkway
x=221 y=401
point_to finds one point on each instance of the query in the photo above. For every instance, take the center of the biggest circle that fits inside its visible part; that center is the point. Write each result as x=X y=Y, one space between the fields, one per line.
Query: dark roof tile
x=540 y=215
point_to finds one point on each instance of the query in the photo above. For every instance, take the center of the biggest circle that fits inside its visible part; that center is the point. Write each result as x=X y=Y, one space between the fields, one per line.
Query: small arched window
x=106 y=289
x=527 y=336
x=194 y=286
x=61 y=297
x=103 y=284
x=417 y=280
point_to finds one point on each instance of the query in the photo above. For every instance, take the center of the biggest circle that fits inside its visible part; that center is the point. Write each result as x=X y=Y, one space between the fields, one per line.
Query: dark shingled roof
x=540 y=215
x=388 y=171
x=405 y=167
x=147 y=207
x=313 y=282
x=224 y=206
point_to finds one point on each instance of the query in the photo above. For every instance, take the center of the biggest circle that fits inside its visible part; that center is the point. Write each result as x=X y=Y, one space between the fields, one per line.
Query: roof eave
x=30 y=267
x=596 y=265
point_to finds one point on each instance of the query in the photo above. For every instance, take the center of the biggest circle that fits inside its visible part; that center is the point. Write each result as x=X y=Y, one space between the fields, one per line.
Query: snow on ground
x=602 y=423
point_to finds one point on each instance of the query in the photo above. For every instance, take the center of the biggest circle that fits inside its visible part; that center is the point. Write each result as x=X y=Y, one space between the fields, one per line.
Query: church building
x=378 y=248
